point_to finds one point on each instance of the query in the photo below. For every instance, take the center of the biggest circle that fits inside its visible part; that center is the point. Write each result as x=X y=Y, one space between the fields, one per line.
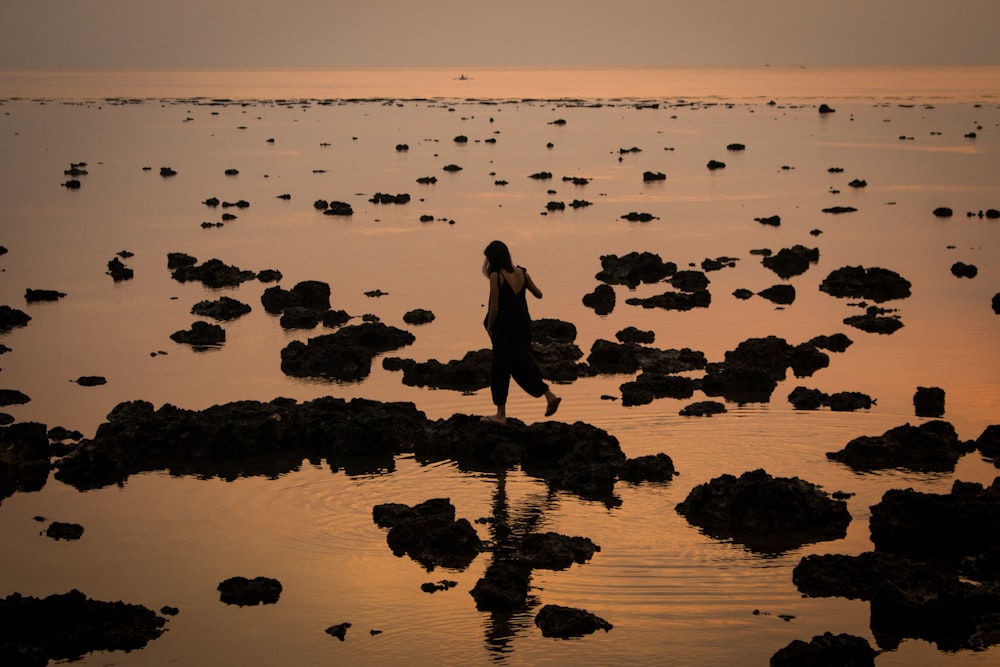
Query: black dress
x=512 y=355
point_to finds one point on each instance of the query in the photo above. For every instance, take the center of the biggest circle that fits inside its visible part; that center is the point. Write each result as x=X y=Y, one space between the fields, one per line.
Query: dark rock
x=213 y=273
x=339 y=630
x=552 y=551
x=650 y=386
x=12 y=317
x=963 y=270
x=715 y=164
x=877 y=324
x=836 y=210
x=943 y=212
x=556 y=621
x=648 y=468
x=634 y=268
x=965 y=522
x=848 y=401
x=826 y=650
x=200 y=335
x=24 y=457
x=312 y=294
x=269 y=276
x=674 y=300
x=223 y=309
x=996 y=307
x=335 y=318
x=345 y=354
x=689 y=281
x=59 y=433
x=826 y=108
x=702 y=409
x=875 y=283
x=381 y=198
x=768 y=514
x=178 y=260
x=443 y=585
x=771 y=220
x=634 y=216
x=249 y=592
x=742 y=294
x=648 y=176
x=805 y=359
x=929 y=402
x=13 y=397
x=58 y=530
x=429 y=533
x=858 y=183
x=118 y=271
x=608 y=357
x=91 y=380
x=418 y=316
x=297 y=317
x=804 y=398
x=988 y=443
x=931 y=447
x=468 y=374
x=67 y=626
x=836 y=343
x=736 y=147
x=602 y=299
x=632 y=335
x=794 y=261
x=780 y=294
x=35 y=295
x=339 y=208
x=503 y=587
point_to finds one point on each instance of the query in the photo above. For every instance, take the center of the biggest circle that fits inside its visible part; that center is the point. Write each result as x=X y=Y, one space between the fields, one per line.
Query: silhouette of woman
x=509 y=326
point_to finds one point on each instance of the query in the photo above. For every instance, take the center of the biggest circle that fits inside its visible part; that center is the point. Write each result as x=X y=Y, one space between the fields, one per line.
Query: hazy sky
x=477 y=33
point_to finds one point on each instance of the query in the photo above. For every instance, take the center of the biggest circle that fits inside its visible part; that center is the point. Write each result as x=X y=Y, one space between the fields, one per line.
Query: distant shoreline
x=785 y=84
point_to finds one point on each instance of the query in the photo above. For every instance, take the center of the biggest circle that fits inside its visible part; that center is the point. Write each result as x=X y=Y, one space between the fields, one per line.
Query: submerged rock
x=36 y=295
x=224 y=308
x=703 y=409
x=634 y=268
x=794 y=261
x=503 y=587
x=602 y=299
x=200 y=335
x=874 y=323
x=674 y=300
x=11 y=318
x=929 y=402
x=312 y=294
x=552 y=551
x=212 y=273
x=768 y=514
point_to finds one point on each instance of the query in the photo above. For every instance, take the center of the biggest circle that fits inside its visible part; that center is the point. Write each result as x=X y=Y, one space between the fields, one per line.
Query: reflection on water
x=667 y=588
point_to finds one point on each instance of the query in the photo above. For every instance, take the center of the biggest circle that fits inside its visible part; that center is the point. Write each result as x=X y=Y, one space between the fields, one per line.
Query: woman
x=509 y=326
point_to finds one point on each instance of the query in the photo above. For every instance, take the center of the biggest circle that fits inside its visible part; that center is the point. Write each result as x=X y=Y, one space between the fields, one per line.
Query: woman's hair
x=497 y=257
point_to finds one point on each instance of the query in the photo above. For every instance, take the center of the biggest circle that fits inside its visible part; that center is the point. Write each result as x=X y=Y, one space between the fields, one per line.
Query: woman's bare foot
x=495 y=420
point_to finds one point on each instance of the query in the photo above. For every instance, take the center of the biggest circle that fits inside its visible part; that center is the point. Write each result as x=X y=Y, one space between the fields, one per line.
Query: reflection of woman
x=509 y=326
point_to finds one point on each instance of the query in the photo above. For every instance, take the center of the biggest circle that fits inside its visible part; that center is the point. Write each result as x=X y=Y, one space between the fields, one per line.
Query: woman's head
x=497 y=257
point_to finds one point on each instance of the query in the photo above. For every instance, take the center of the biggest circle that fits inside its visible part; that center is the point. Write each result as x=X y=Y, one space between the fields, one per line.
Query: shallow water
x=668 y=589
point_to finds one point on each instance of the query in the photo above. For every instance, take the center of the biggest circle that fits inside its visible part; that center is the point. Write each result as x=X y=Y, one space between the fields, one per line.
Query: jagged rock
x=65 y=627
x=849 y=401
x=836 y=343
x=201 y=334
x=223 y=309
x=689 y=281
x=608 y=357
x=177 y=260
x=91 y=380
x=634 y=268
x=780 y=294
x=794 y=261
x=345 y=354
x=963 y=270
x=988 y=443
x=557 y=621
x=249 y=592
x=12 y=317
x=339 y=630
x=932 y=446
x=648 y=468
x=212 y=273
x=874 y=283
x=59 y=530
x=552 y=551
x=765 y=513
x=429 y=533
x=503 y=587
x=418 y=316
x=964 y=522
x=929 y=402
x=602 y=299
x=36 y=295
x=872 y=323
x=674 y=300
x=771 y=220
x=826 y=650
x=312 y=294
x=702 y=409
x=635 y=216
x=13 y=397
x=118 y=271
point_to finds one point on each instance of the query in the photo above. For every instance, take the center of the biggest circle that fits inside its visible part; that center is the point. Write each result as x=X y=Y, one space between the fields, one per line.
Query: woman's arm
x=530 y=284
x=494 y=305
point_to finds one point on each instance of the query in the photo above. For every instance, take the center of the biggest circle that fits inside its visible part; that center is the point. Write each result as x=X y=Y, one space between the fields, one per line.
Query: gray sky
x=85 y=34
